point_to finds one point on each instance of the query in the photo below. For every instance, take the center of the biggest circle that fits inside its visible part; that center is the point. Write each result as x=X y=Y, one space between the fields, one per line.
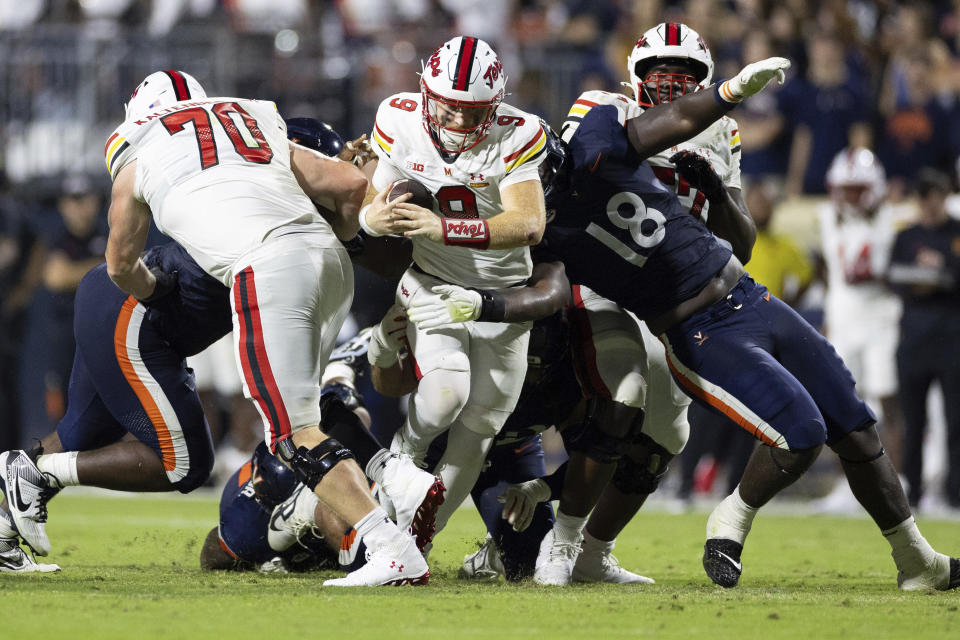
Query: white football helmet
x=462 y=85
x=162 y=88
x=668 y=41
x=856 y=181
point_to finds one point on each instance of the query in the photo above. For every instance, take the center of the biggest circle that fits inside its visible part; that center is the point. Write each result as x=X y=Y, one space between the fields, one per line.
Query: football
x=421 y=195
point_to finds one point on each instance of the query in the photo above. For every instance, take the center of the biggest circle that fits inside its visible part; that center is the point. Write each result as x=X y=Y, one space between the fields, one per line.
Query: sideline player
x=479 y=157
x=219 y=176
x=721 y=329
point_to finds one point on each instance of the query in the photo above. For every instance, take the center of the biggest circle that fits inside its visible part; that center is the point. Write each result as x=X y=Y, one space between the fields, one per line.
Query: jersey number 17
x=247 y=138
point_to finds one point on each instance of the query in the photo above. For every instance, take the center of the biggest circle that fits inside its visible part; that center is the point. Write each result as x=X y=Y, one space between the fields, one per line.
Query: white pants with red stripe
x=619 y=359
x=289 y=296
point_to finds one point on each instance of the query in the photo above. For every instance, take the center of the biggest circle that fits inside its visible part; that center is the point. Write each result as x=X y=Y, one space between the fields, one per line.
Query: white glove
x=520 y=500
x=388 y=338
x=754 y=77
x=454 y=305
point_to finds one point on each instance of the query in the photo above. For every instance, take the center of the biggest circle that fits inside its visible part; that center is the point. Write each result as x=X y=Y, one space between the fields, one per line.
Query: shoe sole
x=719 y=570
x=424 y=523
x=415 y=581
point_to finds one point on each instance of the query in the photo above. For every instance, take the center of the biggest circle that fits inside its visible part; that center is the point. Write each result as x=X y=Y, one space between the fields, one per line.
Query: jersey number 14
x=247 y=139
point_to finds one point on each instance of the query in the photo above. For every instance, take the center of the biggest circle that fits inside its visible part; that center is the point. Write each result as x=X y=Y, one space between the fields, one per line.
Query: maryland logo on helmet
x=462 y=84
x=668 y=42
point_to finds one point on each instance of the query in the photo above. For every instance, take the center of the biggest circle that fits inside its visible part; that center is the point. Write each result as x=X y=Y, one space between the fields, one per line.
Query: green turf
x=130 y=570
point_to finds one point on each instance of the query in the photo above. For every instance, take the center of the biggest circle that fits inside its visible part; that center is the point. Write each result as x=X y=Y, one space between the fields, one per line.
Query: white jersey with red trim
x=467 y=187
x=216 y=175
x=856 y=250
x=719 y=144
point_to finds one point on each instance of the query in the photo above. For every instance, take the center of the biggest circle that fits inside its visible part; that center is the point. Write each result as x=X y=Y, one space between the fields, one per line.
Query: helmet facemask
x=662 y=86
x=456 y=125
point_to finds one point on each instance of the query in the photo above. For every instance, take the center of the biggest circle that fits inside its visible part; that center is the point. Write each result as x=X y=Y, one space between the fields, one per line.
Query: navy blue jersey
x=619 y=230
x=198 y=313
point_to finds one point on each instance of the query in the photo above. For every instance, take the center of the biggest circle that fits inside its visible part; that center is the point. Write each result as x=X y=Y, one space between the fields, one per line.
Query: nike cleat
x=28 y=492
x=292 y=518
x=484 y=564
x=721 y=561
x=415 y=495
x=13 y=559
x=395 y=565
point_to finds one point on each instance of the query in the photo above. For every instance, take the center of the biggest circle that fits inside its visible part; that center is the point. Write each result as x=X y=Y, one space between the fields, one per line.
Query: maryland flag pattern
x=115 y=148
x=531 y=150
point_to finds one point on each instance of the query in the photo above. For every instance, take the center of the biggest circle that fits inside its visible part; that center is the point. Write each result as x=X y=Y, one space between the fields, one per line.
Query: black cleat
x=954 y=574
x=721 y=561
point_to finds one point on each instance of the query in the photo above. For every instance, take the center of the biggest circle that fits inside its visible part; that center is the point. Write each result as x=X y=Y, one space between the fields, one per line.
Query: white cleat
x=936 y=576
x=555 y=561
x=395 y=564
x=28 y=492
x=292 y=518
x=415 y=496
x=13 y=559
x=599 y=566
x=484 y=564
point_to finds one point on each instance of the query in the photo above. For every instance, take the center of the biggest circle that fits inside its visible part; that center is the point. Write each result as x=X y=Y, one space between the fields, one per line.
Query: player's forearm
x=731 y=220
x=132 y=278
x=669 y=124
x=349 y=202
x=514 y=228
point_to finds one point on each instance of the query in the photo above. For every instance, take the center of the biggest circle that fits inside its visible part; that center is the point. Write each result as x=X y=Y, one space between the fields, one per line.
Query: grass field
x=131 y=571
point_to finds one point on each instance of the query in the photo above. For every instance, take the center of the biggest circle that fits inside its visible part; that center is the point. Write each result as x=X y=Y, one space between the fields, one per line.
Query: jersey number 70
x=248 y=141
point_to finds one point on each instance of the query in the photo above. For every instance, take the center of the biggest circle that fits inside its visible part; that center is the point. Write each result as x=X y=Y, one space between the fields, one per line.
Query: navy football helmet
x=273 y=481
x=316 y=135
x=555 y=169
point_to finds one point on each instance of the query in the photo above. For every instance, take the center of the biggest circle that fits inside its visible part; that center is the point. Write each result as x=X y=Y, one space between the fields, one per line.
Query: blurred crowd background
x=878 y=74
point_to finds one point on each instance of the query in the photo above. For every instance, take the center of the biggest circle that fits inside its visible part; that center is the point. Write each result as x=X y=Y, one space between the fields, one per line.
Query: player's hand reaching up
x=753 y=78
x=450 y=304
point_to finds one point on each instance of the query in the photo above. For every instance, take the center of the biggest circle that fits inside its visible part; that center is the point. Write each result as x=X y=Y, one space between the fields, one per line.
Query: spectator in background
x=74 y=246
x=830 y=109
x=925 y=272
x=919 y=109
x=857 y=228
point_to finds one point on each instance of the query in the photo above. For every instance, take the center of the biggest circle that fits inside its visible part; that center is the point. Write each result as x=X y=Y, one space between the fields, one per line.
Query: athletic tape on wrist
x=363 y=223
x=492 y=307
x=465 y=233
x=723 y=95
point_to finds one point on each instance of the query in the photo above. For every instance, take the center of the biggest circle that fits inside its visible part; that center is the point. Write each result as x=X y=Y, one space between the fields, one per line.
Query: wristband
x=473 y=232
x=723 y=95
x=492 y=306
x=363 y=223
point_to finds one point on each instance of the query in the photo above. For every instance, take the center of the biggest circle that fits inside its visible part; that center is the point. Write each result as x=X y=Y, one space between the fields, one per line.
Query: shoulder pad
x=525 y=143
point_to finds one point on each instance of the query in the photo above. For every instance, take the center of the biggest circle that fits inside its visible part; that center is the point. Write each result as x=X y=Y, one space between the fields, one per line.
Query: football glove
x=450 y=305
x=520 y=501
x=755 y=76
x=388 y=338
x=698 y=172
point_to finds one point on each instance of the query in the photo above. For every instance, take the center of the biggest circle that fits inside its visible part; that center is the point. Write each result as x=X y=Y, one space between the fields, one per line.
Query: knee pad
x=440 y=398
x=484 y=422
x=607 y=430
x=642 y=475
x=310 y=465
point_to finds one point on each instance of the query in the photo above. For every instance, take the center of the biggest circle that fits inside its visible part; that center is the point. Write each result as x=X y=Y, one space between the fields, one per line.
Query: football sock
x=731 y=519
x=568 y=528
x=377 y=530
x=338 y=371
x=378 y=463
x=61 y=466
x=595 y=545
x=911 y=551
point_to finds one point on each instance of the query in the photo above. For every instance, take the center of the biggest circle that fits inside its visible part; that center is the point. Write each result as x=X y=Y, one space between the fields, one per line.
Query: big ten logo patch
x=415 y=166
x=493 y=72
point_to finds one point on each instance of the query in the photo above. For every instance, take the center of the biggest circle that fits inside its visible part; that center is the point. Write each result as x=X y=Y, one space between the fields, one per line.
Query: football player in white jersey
x=219 y=176
x=861 y=314
x=479 y=158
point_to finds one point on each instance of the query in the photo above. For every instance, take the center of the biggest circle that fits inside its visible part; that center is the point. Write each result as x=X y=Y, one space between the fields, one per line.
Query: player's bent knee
x=201 y=465
x=311 y=465
x=607 y=430
x=794 y=462
x=860 y=446
x=482 y=421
